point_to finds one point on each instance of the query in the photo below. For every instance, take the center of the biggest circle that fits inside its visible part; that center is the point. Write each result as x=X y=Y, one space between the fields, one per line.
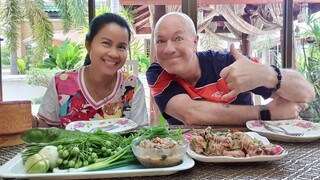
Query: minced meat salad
x=160 y=152
x=234 y=144
x=166 y=143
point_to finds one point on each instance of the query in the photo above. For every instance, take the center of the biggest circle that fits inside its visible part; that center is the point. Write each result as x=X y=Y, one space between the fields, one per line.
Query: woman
x=100 y=89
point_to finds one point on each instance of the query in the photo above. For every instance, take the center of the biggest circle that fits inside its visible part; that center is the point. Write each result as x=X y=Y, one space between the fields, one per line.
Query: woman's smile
x=110 y=62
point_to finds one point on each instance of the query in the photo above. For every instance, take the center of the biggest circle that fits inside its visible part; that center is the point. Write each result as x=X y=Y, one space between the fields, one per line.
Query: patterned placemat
x=7 y=153
x=302 y=162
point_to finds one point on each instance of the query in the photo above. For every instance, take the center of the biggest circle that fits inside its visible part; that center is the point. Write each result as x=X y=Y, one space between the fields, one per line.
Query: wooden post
x=1 y=97
x=287 y=38
x=189 y=7
x=91 y=9
x=159 y=11
x=245 y=48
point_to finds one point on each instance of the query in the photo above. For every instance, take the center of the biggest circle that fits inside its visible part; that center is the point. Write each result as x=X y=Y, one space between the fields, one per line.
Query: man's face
x=174 y=44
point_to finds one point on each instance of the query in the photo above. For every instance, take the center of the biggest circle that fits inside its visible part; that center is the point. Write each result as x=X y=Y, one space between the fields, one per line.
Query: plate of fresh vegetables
x=109 y=125
x=53 y=153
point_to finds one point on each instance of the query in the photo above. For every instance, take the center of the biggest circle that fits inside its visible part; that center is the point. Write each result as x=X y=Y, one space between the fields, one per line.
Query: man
x=213 y=88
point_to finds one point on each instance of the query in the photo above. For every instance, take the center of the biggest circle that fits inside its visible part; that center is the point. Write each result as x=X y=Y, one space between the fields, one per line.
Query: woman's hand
x=38 y=122
x=35 y=121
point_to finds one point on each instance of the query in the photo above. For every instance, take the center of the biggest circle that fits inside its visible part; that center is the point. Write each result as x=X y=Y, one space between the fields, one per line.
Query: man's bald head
x=181 y=16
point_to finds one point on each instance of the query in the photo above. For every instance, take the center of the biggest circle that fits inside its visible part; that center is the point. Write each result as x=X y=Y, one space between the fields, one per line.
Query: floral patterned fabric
x=67 y=99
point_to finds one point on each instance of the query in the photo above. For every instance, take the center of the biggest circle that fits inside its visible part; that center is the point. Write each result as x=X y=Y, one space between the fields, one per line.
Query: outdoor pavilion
x=245 y=19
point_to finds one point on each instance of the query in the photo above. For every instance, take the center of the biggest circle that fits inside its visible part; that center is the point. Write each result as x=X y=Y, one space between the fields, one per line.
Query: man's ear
x=88 y=46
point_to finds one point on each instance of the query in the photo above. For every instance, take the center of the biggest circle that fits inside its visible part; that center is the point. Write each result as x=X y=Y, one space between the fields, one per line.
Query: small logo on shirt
x=217 y=94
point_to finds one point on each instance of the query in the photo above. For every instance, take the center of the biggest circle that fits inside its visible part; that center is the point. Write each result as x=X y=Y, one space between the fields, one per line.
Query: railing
x=131 y=66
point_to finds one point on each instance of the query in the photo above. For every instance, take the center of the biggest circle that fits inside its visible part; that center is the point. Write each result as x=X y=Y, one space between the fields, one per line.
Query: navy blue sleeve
x=262 y=91
x=162 y=87
x=214 y=62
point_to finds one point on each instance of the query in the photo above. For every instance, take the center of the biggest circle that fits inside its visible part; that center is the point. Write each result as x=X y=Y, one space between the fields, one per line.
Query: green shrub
x=21 y=66
x=137 y=53
x=36 y=101
x=144 y=62
x=65 y=57
x=41 y=77
x=309 y=63
x=5 y=56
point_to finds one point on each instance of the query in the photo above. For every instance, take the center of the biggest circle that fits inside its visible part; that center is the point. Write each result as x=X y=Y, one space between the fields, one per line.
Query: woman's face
x=108 y=49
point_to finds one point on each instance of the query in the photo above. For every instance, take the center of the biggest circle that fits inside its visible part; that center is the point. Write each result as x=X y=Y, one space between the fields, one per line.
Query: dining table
x=301 y=162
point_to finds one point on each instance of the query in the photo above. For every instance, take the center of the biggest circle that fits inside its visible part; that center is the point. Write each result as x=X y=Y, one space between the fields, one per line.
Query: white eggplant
x=36 y=163
x=52 y=154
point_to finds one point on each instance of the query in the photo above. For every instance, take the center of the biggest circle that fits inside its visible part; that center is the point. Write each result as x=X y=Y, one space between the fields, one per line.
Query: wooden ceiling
x=141 y=11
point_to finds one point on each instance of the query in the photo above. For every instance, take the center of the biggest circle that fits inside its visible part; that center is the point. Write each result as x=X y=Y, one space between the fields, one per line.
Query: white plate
x=15 y=169
x=227 y=159
x=311 y=130
x=108 y=125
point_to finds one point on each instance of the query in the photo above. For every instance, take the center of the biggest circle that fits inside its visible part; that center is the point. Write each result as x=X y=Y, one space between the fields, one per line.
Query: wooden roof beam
x=140 y=9
x=144 y=30
x=142 y=16
x=140 y=24
x=200 y=2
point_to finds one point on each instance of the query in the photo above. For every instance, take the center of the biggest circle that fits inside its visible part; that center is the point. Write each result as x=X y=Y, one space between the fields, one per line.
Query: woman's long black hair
x=99 y=22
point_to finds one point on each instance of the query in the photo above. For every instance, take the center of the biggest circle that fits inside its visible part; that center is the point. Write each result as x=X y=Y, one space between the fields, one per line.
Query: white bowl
x=159 y=157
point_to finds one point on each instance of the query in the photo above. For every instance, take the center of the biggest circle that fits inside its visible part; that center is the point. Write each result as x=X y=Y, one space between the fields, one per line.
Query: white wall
x=16 y=87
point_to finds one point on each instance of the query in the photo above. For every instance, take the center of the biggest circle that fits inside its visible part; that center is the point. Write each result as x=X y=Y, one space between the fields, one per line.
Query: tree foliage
x=13 y=13
x=209 y=41
x=41 y=27
x=72 y=12
x=11 y=18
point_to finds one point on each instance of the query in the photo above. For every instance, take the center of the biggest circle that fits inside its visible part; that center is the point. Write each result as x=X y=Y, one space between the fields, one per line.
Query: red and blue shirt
x=209 y=87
